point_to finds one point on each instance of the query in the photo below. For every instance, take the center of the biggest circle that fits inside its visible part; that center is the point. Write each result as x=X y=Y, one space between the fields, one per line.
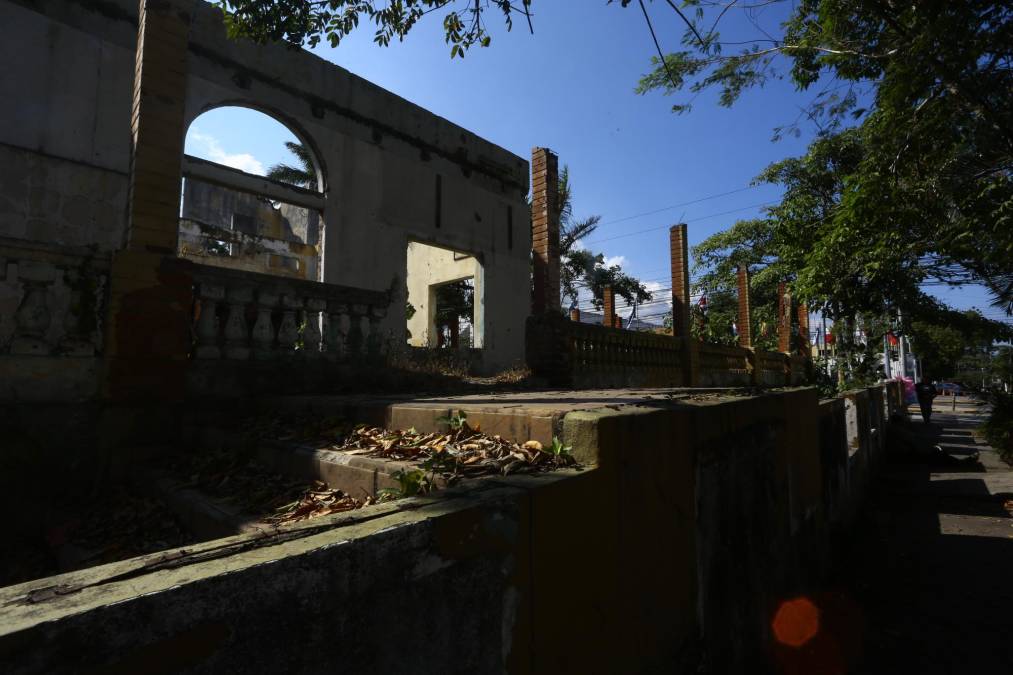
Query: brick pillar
x=148 y=316
x=609 y=301
x=545 y=231
x=803 y=328
x=156 y=125
x=574 y=314
x=678 y=241
x=783 y=318
x=745 y=309
x=679 y=249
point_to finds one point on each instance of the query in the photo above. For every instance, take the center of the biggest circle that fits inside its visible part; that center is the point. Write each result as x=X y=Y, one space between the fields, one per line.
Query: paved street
x=932 y=568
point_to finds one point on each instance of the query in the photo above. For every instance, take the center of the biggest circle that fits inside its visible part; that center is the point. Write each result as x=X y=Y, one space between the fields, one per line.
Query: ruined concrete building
x=170 y=326
x=399 y=191
x=238 y=230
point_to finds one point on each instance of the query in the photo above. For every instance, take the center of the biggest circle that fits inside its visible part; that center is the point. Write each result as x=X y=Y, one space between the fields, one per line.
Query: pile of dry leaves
x=268 y=495
x=462 y=452
x=439 y=459
x=317 y=500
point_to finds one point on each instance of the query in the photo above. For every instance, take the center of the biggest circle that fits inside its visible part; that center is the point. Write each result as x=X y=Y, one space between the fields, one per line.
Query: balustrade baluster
x=288 y=331
x=354 y=342
x=374 y=342
x=337 y=330
x=263 y=327
x=207 y=321
x=237 y=334
x=311 y=333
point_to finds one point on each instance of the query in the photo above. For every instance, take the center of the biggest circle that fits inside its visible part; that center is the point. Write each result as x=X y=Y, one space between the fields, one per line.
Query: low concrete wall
x=693 y=519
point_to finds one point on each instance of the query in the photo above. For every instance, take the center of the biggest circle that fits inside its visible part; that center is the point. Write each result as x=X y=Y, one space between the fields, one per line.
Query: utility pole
x=825 y=346
x=903 y=353
x=886 y=355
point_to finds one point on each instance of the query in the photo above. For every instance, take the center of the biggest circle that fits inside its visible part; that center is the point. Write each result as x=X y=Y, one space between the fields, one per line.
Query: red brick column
x=148 y=316
x=783 y=318
x=156 y=125
x=574 y=314
x=609 y=301
x=678 y=241
x=679 y=250
x=803 y=328
x=545 y=230
x=745 y=321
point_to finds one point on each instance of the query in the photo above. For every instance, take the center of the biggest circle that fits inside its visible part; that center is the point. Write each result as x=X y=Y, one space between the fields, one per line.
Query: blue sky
x=569 y=87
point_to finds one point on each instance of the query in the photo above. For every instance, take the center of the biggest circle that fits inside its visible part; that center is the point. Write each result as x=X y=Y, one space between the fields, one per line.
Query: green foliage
x=922 y=188
x=998 y=428
x=456 y=421
x=455 y=301
x=581 y=269
x=948 y=341
x=304 y=175
x=306 y=22
x=715 y=325
x=409 y=312
x=558 y=449
x=716 y=262
x=411 y=483
x=440 y=462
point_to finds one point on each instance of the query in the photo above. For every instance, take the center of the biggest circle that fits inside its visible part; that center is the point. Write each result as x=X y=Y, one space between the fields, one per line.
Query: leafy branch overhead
x=306 y=22
x=910 y=178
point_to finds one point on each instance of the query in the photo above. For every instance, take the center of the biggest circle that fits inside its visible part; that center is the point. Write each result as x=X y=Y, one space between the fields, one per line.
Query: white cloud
x=615 y=260
x=208 y=147
x=655 y=287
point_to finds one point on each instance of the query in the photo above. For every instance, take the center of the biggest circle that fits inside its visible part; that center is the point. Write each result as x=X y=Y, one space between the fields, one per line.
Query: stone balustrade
x=772 y=368
x=572 y=354
x=584 y=355
x=724 y=365
x=599 y=354
x=52 y=299
x=240 y=315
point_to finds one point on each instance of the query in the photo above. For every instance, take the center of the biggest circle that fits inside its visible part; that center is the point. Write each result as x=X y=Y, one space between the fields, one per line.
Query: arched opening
x=251 y=195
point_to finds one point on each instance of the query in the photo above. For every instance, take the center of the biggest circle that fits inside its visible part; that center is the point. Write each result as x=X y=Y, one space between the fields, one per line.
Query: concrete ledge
x=205 y=516
x=356 y=475
x=702 y=511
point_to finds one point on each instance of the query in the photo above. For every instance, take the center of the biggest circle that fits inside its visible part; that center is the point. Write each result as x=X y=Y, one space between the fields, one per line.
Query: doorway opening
x=445 y=306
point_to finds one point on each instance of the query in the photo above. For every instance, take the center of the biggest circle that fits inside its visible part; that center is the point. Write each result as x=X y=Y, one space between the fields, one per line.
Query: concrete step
x=205 y=516
x=355 y=475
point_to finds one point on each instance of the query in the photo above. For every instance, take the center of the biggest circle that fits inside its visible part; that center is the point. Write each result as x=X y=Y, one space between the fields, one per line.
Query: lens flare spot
x=796 y=622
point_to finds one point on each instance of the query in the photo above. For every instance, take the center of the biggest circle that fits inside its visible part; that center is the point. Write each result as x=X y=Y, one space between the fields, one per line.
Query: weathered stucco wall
x=391 y=171
x=690 y=523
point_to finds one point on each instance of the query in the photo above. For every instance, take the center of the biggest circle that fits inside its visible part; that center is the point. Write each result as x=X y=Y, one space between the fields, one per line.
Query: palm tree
x=304 y=175
x=582 y=269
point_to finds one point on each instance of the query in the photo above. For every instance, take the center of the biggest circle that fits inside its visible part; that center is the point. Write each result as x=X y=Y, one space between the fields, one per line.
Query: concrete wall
x=669 y=552
x=391 y=172
x=279 y=240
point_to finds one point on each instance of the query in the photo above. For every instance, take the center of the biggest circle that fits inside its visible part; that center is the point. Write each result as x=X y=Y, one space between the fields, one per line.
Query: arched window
x=252 y=195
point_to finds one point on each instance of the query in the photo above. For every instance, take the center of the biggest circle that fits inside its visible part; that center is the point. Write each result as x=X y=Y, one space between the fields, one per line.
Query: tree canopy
x=307 y=22
x=911 y=175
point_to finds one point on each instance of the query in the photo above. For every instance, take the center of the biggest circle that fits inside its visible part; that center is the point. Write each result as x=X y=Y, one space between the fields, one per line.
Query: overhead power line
x=675 y=206
x=663 y=227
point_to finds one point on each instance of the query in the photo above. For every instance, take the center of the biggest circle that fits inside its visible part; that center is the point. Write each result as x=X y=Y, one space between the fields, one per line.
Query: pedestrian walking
x=925 y=391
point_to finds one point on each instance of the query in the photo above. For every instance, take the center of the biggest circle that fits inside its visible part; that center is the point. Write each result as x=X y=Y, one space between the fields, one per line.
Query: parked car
x=949 y=388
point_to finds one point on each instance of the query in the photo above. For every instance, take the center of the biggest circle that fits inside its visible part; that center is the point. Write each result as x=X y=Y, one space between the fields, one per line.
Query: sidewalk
x=931 y=569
